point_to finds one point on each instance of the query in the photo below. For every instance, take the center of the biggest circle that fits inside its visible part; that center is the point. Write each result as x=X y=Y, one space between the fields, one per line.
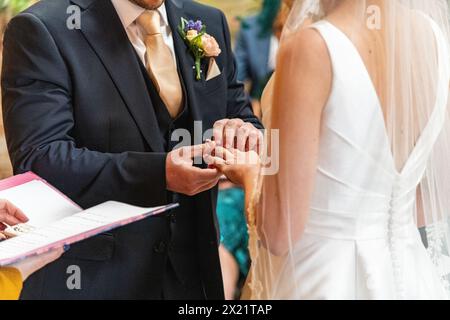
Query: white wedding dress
x=361 y=240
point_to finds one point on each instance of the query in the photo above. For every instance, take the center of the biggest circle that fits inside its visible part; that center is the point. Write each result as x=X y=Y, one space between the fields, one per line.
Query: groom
x=92 y=110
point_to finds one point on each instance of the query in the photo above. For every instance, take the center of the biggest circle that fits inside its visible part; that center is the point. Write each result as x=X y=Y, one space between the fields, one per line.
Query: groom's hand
x=237 y=134
x=181 y=175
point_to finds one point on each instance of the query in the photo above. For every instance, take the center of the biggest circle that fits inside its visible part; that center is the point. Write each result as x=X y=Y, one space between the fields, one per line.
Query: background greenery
x=14 y=5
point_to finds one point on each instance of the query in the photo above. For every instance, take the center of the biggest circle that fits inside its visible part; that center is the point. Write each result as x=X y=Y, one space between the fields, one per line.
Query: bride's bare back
x=359 y=108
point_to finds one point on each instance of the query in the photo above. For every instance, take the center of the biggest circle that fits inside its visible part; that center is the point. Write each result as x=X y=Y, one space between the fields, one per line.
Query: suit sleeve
x=38 y=118
x=238 y=103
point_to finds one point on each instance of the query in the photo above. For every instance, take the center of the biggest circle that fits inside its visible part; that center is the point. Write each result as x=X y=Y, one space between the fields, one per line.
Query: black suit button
x=160 y=247
x=173 y=218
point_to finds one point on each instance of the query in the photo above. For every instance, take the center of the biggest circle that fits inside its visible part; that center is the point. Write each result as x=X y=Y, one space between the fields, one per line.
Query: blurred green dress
x=233 y=226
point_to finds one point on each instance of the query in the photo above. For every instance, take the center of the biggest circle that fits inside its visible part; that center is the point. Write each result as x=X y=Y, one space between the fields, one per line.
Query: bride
x=359 y=206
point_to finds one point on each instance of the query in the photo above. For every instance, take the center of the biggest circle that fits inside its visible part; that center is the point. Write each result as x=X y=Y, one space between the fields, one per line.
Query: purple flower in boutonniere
x=200 y=43
x=194 y=25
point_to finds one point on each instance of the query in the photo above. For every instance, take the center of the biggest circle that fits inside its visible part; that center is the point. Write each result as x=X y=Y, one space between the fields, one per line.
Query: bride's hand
x=239 y=167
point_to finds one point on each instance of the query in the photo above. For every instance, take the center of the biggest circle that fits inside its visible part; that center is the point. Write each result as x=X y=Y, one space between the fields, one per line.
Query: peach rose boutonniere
x=201 y=44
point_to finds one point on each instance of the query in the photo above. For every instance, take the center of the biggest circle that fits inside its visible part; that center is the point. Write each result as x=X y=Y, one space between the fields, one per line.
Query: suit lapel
x=104 y=31
x=176 y=11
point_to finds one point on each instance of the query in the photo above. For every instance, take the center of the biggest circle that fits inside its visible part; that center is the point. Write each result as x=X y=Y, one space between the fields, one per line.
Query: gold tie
x=161 y=66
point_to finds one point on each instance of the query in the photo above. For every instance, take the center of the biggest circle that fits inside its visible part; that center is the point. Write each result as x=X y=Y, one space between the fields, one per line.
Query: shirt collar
x=128 y=12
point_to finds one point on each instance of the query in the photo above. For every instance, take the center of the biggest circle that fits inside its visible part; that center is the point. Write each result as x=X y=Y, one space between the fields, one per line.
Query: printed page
x=77 y=227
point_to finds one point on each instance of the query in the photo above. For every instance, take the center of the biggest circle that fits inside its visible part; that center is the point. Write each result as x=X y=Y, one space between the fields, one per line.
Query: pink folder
x=76 y=226
x=23 y=178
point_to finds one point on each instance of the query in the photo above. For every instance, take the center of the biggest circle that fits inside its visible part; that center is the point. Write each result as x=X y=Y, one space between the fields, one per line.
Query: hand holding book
x=56 y=220
x=11 y=215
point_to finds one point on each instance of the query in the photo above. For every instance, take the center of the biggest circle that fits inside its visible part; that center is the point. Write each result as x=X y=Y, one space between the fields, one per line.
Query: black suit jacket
x=77 y=112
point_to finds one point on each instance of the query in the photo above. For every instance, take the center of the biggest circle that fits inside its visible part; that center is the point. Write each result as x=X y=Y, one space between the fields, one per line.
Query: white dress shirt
x=128 y=13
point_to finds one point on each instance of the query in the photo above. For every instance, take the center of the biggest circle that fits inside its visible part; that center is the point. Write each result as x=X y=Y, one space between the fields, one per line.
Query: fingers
x=201 y=180
x=247 y=137
x=185 y=155
x=52 y=255
x=255 y=141
x=235 y=133
x=260 y=146
x=216 y=162
x=218 y=131
x=190 y=152
x=197 y=151
x=225 y=132
x=209 y=147
x=243 y=134
x=225 y=154
x=185 y=178
x=17 y=213
x=8 y=219
x=10 y=214
x=205 y=175
x=251 y=140
x=230 y=132
x=31 y=265
x=45 y=258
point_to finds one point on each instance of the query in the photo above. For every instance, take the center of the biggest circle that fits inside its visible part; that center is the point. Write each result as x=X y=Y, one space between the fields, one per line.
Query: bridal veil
x=412 y=83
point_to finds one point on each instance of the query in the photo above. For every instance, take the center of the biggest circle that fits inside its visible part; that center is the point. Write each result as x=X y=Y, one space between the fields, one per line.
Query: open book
x=54 y=220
